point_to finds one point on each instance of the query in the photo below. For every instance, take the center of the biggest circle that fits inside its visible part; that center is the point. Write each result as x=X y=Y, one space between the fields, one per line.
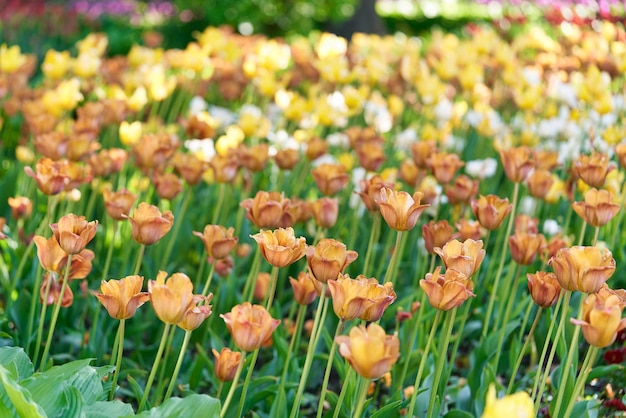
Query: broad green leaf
x=279 y=406
x=191 y=406
x=108 y=410
x=20 y=397
x=88 y=384
x=16 y=361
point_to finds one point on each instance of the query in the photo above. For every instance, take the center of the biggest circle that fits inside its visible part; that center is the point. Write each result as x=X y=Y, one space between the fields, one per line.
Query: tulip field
x=310 y=226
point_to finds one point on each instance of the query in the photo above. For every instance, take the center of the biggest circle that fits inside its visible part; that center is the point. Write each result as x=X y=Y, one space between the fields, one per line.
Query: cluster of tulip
x=321 y=142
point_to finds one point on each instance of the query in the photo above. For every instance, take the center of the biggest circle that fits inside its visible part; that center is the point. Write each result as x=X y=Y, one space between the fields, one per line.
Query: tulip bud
x=469 y=230
x=330 y=178
x=525 y=247
x=370 y=191
x=218 y=241
x=444 y=166
x=517 y=163
x=118 y=204
x=167 y=185
x=325 y=212
x=462 y=190
x=148 y=224
x=261 y=286
x=422 y=151
x=304 y=292
x=50 y=281
x=226 y=364
x=601 y=320
x=437 y=234
x=371 y=156
x=539 y=183
x=287 y=159
x=249 y=325
x=21 y=207
x=544 y=288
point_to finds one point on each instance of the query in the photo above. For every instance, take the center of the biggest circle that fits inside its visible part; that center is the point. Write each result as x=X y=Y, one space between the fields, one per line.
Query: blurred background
x=37 y=25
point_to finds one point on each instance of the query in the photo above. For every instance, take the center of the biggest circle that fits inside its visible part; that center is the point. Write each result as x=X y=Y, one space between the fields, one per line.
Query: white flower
x=527 y=205
x=551 y=227
x=444 y=110
x=324 y=159
x=197 y=105
x=405 y=139
x=338 y=139
x=202 y=148
x=224 y=116
x=481 y=169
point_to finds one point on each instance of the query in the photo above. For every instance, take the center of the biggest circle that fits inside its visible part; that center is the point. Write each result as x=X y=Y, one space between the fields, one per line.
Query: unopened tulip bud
x=224 y=267
x=243 y=250
x=21 y=207
x=54 y=291
x=249 y=325
x=325 y=212
x=525 y=247
x=517 y=163
x=226 y=364
x=261 y=286
x=540 y=183
x=544 y=288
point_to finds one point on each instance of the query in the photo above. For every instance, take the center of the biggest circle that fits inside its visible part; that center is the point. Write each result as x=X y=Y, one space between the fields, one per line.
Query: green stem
x=374 y=234
x=443 y=349
x=559 y=330
x=329 y=366
x=179 y=363
x=272 y=290
x=595 y=236
x=248 y=290
x=520 y=357
x=505 y=320
x=116 y=341
x=177 y=224
x=120 y=354
x=581 y=237
x=565 y=367
x=42 y=316
x=390 y=275
x=205 y=289
x=142 y=250
x=297 y=330
x=309 y=354
x=218 y=205
x=55 y=314
x=588 y=363
x=360 y=403
x=420 y=370
x=166 y=355
x=155 y=367
x=342 y=395
x=503 y=253
x=544 y=351
x=246 y=383
x=233 y=386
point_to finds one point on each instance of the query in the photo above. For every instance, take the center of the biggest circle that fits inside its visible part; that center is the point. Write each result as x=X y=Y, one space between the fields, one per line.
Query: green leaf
x=16 y=361
x=457 y=413
x=191 y=406
x=20 y=397
x=388 y=410
x=108 y=410
x=279 y=406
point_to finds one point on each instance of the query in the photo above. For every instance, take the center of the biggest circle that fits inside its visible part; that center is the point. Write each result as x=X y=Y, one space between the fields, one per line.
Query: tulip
x=74 y=232
x=598 y=208
x=189 y=167
x=218 y=241
x=329 y=258
x=544 y=288
x=287 y=159
x=325 y=212
x=422 y=151
x=118 y=204
x=517 y=163
x=370 y=351
x=360 y=298
x=437 y=234
x=148 y=224
x=444 y=166
x=539 y=183
x=280 y=247
x=370 y=191
x=490 y=211
x=601 y=319
x=584 y=269
x=121 y=298
x=464 y=257
x=21 y=207
x=304 y=292
x=469 y=229
x=518 y=405
x=226 y=364
x=268 y=210
x=51 y=176
x=594 y=168
x=399 y=209
x=172 y=298
x=462 y=190
x=249 y=325
x=525 y=247
x=447 y=291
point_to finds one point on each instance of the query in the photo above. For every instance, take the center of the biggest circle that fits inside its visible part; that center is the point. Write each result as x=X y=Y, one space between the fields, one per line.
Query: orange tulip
x=21 y=207
x=304 y=292
x=325 y=212
x=51 y=176
x=218 y=241
x=490 y=210
x=148 y=224
x=446 y=291
x=360 y=298
x=544 y=288
x=464 y=257
x=74 y=232
x=330 y=178
x=584 y=269
x=525 y=247
x=370 y=191
x=329 y=258
x=517 y=163
x=437 y=234
x=118 y=204
x=121 y=298
x=280 y=247
x=172 y=299
x=444 y=166
x=601 y=320
x=226 y=364
x=370 y=351
x=268 y=210
x=249 y=325
x=399 y=209
x=594 y=168
x=598 y=208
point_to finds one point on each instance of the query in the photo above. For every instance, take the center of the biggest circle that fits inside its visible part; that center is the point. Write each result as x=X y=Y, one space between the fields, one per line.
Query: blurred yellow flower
x=55 y=64
x=11 y=58
x=518 y=405
x=130 y=132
